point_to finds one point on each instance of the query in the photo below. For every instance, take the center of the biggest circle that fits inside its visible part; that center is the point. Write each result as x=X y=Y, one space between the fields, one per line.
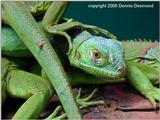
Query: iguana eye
x=95 y=55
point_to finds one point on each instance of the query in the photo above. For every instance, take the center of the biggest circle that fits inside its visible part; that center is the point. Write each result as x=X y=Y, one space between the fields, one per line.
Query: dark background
x=125 y=23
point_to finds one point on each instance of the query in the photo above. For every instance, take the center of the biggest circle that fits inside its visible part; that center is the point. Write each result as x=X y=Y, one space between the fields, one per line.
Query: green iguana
x=104 y=58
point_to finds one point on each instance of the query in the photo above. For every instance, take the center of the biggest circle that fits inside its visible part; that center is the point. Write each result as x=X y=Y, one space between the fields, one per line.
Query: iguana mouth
x=110 y=72
x=111 y=80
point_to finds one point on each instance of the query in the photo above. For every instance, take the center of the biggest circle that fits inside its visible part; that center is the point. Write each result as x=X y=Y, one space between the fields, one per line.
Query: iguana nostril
x=121 y=70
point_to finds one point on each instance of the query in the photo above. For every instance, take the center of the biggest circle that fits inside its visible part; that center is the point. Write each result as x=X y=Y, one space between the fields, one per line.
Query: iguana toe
x=84 y=102
x=53 y=115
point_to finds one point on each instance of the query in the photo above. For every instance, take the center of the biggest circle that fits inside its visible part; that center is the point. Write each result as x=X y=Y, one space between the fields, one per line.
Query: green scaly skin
x=92 y=65
x=38 y=90
x=80 y=61
x=18 y=17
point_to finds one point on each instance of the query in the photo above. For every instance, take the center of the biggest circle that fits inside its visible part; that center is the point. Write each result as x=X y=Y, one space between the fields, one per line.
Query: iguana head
x=98 y=55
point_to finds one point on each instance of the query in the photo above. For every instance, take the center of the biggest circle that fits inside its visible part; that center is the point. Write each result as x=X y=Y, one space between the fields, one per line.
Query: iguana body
x=145 y=52
x=139 y=48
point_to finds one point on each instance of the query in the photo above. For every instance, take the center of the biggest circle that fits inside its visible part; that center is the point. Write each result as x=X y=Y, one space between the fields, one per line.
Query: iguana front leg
x=36 y=90
x=138 y=78
x=21 y=20
x=31 y=87
x=50 y=23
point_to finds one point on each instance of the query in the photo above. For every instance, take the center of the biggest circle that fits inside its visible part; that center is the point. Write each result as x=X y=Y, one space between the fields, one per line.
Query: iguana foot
x=53 y=115
x=84 y=102
x=141 y=82
x=153 y=94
